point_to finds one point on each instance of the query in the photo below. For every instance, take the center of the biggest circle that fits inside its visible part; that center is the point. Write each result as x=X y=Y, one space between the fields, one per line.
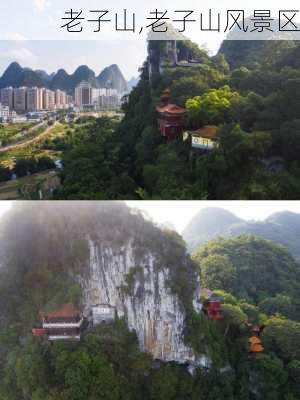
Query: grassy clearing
x=13 y=132
x=34 y=147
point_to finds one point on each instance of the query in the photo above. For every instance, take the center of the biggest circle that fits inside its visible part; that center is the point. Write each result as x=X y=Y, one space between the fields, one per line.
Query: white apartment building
x=99 y=99
x=34 y=99
x=96 y=93
x=60 y=99
x=4 y=113
x=48 y=100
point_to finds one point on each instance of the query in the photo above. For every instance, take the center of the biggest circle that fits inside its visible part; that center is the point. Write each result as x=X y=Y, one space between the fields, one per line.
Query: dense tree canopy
x=255 y=105
x=253 y=269
x=259 y=282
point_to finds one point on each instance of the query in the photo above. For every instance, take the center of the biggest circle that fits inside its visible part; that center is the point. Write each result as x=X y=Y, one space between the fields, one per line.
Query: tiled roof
x=207 y=132
x=171 y=109
x=66 y=310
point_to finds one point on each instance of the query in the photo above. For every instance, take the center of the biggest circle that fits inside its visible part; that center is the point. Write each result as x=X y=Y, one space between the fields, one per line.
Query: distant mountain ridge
x=111 y=77
x=248 y=53
x=210 y=223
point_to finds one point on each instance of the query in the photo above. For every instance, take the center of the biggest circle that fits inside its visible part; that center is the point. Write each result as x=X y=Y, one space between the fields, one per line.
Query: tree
x=213 y=107
x=217 y=272
x=268 y=377
x=4 y=174
x=282 y=336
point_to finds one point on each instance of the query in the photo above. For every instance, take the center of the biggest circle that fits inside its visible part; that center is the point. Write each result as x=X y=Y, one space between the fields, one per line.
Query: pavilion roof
x=66 y=310
x=171 y=109
x=207 y=132
x=254 y=340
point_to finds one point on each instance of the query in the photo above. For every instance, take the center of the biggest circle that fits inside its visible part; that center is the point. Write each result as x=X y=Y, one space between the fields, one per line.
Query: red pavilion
x=170 y=121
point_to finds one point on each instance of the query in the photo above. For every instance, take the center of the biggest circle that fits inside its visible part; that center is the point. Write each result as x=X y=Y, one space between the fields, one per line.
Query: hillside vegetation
x=254 y=104
x=43 y=247
x=211 y=223
x=255 y=270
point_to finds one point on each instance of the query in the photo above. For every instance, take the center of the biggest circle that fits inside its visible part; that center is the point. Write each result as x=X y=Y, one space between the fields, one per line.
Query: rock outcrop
x=142 y=295
x=117 y=257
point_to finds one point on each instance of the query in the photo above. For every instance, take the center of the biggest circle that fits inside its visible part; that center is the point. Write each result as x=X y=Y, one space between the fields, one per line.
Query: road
x=25 y=142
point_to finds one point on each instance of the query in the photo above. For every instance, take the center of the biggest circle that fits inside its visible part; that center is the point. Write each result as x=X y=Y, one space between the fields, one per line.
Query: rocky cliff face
x=118 y=257
x=145 y=300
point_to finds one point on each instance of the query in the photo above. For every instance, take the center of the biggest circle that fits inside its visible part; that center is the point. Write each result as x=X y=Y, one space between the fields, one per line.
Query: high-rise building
x=106 y=99
x=69 y=100
x=96 y=93
x=20 y=99
x=60 y=99
x=48 y=100
x=7 y=97
x=34 y=99
x=84 y=95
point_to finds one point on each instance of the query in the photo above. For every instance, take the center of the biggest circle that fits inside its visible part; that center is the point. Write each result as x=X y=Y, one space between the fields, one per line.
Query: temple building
x=62 y=324
x=212 y=307
x=255 y=345
x=205 y=138
x=103 y=313
x=170 y=120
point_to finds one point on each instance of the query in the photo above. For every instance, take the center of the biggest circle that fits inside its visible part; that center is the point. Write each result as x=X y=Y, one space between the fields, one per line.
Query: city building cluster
x=23 y=103
x=25 y=99
x=8 y=115
x=97 y=99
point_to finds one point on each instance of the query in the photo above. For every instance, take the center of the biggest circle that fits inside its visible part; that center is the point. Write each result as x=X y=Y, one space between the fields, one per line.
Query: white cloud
x=22 y=55
x=41 y=5
x=16 y=37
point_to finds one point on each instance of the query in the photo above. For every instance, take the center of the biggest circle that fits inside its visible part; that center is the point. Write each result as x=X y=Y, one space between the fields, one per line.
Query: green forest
x=251 y=96
x=258 y=280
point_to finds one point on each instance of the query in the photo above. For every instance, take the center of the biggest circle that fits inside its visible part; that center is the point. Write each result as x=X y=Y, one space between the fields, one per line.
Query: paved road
x=25 y=142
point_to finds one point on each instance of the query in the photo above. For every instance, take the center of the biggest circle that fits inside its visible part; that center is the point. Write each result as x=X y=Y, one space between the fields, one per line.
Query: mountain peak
x=61 y=71
x=110 y=77
x=83 y=69
x=14 y=64
x=207 y=224
x=284 y=218
x=13 y=68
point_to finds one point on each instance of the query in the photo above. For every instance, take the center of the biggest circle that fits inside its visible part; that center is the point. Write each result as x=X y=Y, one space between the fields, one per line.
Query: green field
x=13 y=132
x=46 y=144
x=36 y=147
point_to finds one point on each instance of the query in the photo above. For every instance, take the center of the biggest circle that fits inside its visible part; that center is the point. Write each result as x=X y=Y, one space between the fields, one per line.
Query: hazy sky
x=36 y=39
x=181 y=212
x=53 y=55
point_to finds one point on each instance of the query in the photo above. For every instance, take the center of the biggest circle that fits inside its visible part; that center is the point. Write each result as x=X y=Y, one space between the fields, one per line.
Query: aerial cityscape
x=35 y=108
x=189 y=125
x=21 y=103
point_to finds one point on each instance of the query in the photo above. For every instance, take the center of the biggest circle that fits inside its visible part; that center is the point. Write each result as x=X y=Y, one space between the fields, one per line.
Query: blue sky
x=52 y=55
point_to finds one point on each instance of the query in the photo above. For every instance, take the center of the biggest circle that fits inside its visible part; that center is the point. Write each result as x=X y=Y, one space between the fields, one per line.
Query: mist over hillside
x=161 y=342
x=282 y=228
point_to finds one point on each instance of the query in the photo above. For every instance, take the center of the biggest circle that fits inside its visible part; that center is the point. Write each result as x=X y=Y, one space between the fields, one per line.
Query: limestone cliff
x=118 y=258
x=149 y=306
